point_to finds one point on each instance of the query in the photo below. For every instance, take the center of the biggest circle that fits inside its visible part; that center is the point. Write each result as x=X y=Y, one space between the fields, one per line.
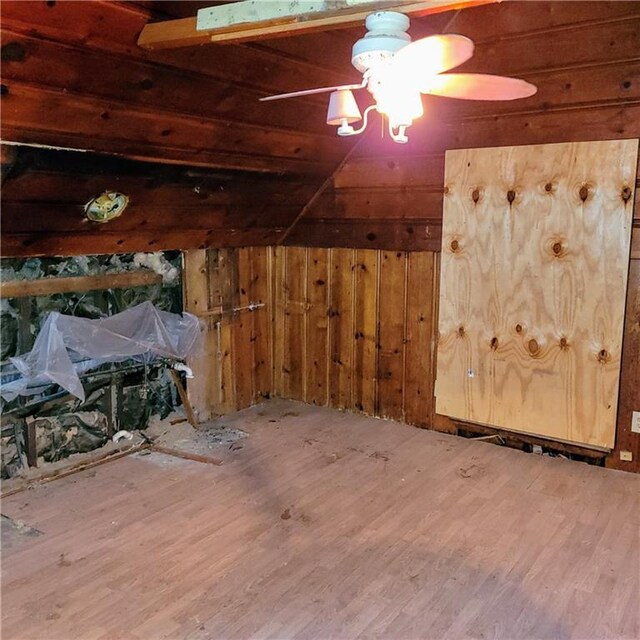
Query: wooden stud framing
x=48 y=286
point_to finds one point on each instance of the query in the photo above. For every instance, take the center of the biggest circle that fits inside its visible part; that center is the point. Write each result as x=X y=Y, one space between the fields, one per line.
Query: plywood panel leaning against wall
x=535 y=257
x=229 y=290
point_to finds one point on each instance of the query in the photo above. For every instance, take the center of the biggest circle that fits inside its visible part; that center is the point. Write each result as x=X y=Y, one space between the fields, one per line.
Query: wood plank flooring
x=328 y=525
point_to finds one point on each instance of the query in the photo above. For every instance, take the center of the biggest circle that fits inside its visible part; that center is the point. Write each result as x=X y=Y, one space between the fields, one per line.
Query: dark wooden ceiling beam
x=101 y=242
x=36 y=114
x=73 y=69
x=534 y=19
x=170 y=207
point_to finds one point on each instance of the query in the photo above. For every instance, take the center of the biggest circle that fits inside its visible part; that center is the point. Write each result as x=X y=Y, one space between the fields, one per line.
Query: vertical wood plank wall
x=234 y=370
x=354 y=330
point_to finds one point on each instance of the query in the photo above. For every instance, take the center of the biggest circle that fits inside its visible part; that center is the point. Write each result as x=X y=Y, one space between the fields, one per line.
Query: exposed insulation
x=124 y=396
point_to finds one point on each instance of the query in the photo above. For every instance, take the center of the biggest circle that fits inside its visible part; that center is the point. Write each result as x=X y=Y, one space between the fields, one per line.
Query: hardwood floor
x=328 y=525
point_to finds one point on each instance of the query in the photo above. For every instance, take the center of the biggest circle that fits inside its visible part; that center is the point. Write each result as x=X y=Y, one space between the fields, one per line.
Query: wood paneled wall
x=583 y=56
x=234 y=369
x=353 y=329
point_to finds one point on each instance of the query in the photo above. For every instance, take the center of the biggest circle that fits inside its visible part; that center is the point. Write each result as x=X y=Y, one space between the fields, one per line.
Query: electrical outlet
x=635 y=422
x=626 y=456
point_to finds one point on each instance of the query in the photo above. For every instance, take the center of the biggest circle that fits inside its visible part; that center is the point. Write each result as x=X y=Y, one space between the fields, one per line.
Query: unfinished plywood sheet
x=535 y=256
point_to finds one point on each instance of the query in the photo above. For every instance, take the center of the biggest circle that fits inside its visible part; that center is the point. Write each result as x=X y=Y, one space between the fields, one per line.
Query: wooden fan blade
x=478 y=86
x=310 y=92
x=432 y=55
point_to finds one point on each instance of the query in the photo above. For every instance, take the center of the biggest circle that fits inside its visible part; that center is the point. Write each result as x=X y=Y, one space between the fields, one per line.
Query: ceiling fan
x=396 y=71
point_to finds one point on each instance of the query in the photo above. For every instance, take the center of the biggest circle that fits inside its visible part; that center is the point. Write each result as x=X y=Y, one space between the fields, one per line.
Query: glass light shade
x=401 y=107
x=342 y=107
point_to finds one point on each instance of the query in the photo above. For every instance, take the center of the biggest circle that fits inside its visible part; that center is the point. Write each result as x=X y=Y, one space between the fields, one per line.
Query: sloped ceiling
x=207 y=164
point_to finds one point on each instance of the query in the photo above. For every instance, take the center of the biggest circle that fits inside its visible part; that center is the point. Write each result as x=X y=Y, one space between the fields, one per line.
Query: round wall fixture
x=105 y=207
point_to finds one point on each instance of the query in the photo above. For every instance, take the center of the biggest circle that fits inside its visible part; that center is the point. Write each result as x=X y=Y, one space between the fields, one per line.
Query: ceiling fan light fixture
x=396 y=71
x=343 y=108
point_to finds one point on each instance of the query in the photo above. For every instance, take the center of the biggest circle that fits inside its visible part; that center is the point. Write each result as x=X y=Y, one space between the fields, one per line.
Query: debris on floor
x=15 y=533
x=172 y=434
x=205 y=439
x=28 y=476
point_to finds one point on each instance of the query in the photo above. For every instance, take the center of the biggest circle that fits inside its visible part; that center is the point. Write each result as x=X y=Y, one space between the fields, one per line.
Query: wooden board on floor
x=535 y=255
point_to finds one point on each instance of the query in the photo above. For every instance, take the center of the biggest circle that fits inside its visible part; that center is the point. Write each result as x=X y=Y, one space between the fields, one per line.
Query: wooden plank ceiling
x=73 y=76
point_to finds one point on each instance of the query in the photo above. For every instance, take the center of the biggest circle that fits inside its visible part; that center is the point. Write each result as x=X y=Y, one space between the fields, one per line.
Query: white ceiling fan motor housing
x=387 y=34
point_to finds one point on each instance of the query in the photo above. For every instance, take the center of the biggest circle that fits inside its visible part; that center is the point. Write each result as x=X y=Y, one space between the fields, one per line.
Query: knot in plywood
x=626 y=193
x=511 y=196
x=533 y=346
x=584 y=192
x=556 y=247
x=13 y=52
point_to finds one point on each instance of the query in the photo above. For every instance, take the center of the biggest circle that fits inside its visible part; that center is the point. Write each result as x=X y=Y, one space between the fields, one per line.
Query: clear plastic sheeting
x=67 y=345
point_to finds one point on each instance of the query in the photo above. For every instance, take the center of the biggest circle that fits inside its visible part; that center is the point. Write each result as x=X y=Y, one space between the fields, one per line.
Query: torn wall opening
x=118 y=395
